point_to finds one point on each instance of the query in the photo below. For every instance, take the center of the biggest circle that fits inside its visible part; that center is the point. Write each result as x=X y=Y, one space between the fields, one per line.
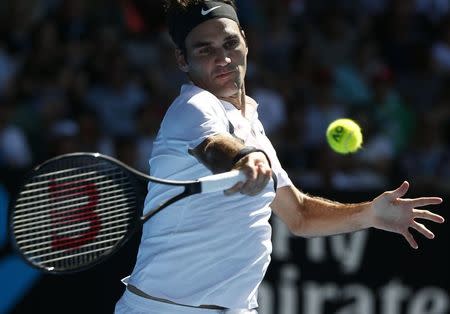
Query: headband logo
x=208 y=11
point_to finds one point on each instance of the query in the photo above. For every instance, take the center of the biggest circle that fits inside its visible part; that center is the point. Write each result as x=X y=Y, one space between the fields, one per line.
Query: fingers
x=400 y=191
x=234 y=189
x=415 y=202
x=258 y=179
x=425 y=214
x=423 y=230
x=408 y=236
x=399 y=213
x=258 y=173
x=264 y=177
x=422 y=201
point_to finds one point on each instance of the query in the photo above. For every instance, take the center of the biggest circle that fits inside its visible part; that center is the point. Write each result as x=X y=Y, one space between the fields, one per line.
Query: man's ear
x=245 y=40
x=181 y=61
x=245 y=37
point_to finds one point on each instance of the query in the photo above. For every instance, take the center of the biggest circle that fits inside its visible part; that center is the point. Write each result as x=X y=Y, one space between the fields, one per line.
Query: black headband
x=182 y=22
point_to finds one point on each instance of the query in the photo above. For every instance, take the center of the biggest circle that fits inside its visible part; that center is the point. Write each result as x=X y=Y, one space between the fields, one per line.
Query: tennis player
x=210 y=252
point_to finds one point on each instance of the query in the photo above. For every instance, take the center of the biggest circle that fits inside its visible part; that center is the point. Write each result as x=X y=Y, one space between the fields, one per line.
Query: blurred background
x=98 y=75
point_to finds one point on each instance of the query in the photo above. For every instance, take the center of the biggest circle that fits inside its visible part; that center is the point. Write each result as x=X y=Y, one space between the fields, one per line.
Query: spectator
x=441 y=47
x=116 y=97
x=400 y=29
x=63 y=138
x=14 y=150
x=272 y=107
x=333 y=40
x=353 y=84
x=426 y=159
x=91 y=137
x=433 y=9
x=317 y=115
x=149 y=118
x=8 y=70
x=322 y=111
x=390 y=112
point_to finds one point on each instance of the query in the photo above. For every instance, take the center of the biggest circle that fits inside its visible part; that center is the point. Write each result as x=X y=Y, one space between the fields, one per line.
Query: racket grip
x=221 y=181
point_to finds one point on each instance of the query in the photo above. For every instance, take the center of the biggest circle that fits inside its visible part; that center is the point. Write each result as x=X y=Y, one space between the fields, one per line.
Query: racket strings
x=76 y=191
x=37 y=187
x=73 y=210
x=43 y=244
x=80 y=227
x=109 y=233
x=72 y=214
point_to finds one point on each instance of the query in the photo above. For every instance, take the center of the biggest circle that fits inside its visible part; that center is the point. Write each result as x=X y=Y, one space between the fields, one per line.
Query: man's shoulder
x=194 y=110
x=191 y=93
x=194 y=97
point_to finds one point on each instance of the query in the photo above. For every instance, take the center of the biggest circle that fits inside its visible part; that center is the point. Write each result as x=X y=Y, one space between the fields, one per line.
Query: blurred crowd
x=98 y=75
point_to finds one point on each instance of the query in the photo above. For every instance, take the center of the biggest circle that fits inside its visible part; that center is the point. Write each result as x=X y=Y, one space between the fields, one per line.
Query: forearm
x=309 y=216
x=218 y=152
x=221 y=153
x=322 y=217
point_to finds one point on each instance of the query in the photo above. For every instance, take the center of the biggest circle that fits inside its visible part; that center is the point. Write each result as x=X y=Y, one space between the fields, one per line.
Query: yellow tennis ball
x=344 y=136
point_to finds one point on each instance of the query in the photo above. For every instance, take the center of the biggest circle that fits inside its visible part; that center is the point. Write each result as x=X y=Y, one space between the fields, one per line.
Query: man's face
x=216 y=57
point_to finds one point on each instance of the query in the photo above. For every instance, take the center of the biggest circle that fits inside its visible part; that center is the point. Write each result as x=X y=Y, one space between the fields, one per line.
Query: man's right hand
x=257 y=169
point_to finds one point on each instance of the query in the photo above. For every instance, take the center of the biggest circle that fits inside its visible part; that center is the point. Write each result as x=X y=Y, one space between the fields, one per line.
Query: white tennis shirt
x=207 y=248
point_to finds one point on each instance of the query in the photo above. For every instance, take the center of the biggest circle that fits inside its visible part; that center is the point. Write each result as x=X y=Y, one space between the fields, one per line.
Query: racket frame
x=191 y=187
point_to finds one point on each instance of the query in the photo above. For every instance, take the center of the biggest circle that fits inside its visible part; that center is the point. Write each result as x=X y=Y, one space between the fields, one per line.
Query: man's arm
x=218 y=153
x=309 y=216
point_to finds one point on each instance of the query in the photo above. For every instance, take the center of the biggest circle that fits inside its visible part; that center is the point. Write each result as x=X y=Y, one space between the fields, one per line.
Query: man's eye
x=231 y=44
x=205 y=51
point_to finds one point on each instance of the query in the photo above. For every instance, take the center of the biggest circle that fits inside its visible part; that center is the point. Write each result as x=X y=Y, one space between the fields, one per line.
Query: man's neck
x=238 y=100
x=248 y=108
x=235 y=101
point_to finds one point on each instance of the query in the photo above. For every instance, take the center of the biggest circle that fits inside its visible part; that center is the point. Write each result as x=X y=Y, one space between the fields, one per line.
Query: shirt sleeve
x=188 y=123
x=265 y=144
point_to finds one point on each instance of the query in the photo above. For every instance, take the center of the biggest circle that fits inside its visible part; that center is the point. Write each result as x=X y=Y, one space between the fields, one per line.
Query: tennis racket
x=76 y=210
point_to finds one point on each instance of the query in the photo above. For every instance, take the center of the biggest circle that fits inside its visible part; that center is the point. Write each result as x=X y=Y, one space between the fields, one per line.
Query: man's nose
x=222 y=58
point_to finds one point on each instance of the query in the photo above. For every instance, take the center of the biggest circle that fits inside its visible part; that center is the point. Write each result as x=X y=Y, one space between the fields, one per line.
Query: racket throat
x=191 y=189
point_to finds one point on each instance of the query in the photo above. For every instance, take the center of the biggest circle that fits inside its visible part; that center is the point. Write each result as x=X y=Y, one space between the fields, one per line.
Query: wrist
x=248 y=150
x=365 y=215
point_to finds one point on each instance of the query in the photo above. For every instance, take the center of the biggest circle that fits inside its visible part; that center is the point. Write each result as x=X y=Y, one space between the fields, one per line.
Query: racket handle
x=221 y=181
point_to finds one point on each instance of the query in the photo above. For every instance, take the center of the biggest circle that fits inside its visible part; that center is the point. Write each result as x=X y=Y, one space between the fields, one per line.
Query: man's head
x=211 y=46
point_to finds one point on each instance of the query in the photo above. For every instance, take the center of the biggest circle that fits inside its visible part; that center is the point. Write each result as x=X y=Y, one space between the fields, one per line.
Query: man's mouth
x=224 y=74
